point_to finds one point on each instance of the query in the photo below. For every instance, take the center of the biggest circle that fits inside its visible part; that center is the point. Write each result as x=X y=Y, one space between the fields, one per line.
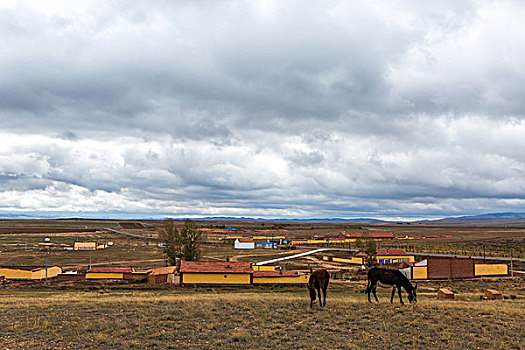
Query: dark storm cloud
x=263 y=108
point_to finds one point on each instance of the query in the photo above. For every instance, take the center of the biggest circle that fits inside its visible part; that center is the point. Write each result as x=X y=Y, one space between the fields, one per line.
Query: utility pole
x=47 y=240
x=47 y=255
x=511 y=270
x=108 y=245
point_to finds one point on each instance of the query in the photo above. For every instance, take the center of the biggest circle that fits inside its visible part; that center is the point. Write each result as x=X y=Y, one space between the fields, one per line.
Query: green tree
x=181 y=243
x=369 y=247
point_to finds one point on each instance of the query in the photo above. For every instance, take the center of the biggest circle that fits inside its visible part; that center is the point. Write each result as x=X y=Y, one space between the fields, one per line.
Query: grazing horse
x=390 y=278
x=318 y=280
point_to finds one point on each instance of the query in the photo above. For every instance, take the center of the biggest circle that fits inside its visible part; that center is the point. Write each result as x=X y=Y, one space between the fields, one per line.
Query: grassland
x=251 y=319
x=110 y=316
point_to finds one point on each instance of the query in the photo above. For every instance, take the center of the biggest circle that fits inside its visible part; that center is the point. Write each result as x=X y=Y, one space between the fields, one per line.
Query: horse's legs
x=319 y=295
x=368 y=290
x=400 y=298
x=392 y=297
x=324 y=295
x=374 y=291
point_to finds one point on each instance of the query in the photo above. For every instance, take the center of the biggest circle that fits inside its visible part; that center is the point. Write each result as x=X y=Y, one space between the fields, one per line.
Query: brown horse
x=390 y=278
x=318 y=280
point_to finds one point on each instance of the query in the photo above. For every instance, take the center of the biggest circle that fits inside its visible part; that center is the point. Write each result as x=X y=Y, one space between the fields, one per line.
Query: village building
x=267 y=245
x=387 y=257
x=216 y=273
x=244 y=243
x=98 y=273
x=163 y=276
x=85 y=246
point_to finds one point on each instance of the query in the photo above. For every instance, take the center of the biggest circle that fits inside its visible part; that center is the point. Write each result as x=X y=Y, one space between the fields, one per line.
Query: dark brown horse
x=390 y=278
x=318 y=281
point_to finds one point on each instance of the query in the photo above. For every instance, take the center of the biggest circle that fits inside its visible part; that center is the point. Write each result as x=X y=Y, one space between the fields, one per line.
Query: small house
x=267 y=245
x=137 y=276
x=163 y=275
x=216 y=273
x=244 y=243
x=387 y=256
x=85 y=246
x=105 y=273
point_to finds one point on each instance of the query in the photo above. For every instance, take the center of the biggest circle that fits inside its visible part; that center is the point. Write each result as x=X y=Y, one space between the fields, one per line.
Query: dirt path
x=115 y=262
x=236 y=257
x=324 y=264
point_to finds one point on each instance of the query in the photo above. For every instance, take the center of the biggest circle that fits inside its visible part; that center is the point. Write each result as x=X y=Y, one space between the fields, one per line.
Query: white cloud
x=262 y=108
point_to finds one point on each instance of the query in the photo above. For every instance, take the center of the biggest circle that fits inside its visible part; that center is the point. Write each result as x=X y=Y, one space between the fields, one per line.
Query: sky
x=268 y=109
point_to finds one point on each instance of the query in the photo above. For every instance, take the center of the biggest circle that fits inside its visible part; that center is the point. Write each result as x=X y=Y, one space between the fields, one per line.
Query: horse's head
x=412 y=297
x=313 y=295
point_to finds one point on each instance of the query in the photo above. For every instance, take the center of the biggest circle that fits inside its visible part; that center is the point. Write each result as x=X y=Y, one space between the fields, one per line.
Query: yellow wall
x=104 y=275
x=216 y=278
x=17 y=274
x=316 y=241
x=268 y=238
x=41 y=274
x=85 y=246
x=298 y=242
x=394 y=259
x=352 y=260
x=489 y=269
x=281 y=280
x=264 y=268
x=419 y=272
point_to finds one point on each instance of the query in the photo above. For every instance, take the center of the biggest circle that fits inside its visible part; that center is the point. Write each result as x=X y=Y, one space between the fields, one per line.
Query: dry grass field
x=251 y=319
x=111 y=316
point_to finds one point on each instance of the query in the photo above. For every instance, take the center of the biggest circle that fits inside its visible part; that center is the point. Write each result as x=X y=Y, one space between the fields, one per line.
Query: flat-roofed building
x=216 y=273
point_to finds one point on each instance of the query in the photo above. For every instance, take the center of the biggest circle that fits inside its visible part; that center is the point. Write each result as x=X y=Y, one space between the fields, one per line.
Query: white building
x=244 y=243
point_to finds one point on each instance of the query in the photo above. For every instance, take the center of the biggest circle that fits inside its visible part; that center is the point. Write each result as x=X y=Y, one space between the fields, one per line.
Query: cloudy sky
x=394 y=109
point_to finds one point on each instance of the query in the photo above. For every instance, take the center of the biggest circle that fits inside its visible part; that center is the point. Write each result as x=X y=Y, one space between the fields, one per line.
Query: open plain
x=112 y=315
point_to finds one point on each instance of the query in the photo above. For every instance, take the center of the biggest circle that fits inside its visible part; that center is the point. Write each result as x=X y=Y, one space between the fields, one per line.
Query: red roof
x=245 y=239
x=385 y=252
x=276 y=273
x=216 y=267
x=111 y=270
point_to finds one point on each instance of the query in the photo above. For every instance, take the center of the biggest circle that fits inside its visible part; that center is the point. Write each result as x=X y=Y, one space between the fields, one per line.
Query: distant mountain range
x=488 y=217
x=483 y=217
x=226 y=218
